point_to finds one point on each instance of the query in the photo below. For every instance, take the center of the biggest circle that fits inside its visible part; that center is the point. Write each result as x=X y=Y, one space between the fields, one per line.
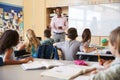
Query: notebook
x=42 y=64
x=67 y=72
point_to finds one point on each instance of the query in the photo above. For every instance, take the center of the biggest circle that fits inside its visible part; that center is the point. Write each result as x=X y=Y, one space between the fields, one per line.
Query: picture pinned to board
x=11 y=17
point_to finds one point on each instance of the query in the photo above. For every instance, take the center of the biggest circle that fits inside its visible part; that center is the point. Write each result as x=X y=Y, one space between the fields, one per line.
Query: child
x=48 y=40
x=8 y=40
x=86 y=39
x=113 y=72
x=31 y=43
x=69 y=48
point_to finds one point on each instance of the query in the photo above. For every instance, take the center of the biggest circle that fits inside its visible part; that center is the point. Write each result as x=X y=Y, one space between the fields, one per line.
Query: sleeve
x=60 y=44
x=81 y=47
x=65 y=23
x=52 y=23
x=109 y=74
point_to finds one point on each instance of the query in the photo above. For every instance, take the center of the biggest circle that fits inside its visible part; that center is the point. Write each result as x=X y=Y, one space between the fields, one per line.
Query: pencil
x=98 y=55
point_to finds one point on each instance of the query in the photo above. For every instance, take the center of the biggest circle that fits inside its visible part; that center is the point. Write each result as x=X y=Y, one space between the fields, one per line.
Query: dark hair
x=72 y=33
x=8 y=39
x=86 y=35
x=58 y=8
x=47 y=33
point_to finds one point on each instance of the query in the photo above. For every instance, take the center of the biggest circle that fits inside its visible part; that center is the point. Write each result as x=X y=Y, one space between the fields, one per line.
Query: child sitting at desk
x=86 y=39
x=48 y=40
x=71 y=47
x=8 y=40
x=113 y=71
x=31 y=43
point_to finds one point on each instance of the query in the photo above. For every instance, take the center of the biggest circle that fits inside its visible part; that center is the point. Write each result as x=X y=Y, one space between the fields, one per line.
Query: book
x=40 y=64
x=67 y=72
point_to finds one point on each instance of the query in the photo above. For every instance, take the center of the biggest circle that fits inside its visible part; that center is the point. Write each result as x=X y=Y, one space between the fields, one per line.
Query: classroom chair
x=47 y=52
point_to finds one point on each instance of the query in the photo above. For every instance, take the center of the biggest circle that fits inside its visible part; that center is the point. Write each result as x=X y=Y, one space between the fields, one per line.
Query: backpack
x=1 y=61
x=47 y=52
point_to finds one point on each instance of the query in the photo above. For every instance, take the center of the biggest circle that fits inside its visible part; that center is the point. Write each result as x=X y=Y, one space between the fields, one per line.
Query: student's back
x=69 y=48
x=86 y=39
x=48 y=40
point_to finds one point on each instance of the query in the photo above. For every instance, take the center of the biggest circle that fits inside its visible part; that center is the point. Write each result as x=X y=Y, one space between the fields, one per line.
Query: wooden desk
x=15 y=72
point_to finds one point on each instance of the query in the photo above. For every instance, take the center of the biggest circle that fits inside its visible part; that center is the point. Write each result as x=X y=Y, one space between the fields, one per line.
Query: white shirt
x=59 y=22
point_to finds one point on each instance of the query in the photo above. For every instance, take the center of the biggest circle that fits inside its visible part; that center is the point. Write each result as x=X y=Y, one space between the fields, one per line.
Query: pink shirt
x=59 y=22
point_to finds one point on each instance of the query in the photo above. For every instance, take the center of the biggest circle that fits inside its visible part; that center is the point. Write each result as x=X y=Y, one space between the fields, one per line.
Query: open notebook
x=42 y=64
x=67 y=72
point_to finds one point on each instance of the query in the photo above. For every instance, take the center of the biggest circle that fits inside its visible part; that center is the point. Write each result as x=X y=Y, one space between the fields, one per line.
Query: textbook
x=67 y=72
x=42 y=64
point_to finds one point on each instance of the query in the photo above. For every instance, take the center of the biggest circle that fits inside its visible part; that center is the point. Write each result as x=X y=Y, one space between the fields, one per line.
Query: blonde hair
x=31 y=40
x=115 y=38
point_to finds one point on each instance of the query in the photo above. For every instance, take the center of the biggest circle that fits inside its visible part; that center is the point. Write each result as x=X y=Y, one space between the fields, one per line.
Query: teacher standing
x=58 y=25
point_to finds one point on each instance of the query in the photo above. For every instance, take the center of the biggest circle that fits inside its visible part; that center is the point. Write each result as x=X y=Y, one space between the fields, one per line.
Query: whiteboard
x=101 y=19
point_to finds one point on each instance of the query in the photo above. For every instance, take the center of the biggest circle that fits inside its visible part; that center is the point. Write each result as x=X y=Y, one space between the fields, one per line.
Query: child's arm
x=8 y=60
x=21 y=46
x=112 y=73
x=88 y=49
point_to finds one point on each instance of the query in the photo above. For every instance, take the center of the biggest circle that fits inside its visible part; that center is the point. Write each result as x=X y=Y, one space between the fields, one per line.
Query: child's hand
x=102 y=61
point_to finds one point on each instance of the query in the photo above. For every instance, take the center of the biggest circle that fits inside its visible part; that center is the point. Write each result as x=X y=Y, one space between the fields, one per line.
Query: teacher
x=58 y=25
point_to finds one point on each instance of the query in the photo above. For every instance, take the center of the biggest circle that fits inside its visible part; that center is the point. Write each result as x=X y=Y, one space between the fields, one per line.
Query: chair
x=1 y=61
x=47 y=52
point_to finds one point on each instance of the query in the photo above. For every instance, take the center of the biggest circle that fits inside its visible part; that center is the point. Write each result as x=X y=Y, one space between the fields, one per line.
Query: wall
x=16 y=2
x=54 y=3
x=35 y=16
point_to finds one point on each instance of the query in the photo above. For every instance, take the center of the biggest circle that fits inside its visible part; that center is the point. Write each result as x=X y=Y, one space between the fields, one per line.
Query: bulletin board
x=101 y=19
x=11 y=17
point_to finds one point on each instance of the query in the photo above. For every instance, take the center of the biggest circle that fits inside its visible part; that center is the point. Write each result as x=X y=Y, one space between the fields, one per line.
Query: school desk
x=93 y=56
x=15 y=72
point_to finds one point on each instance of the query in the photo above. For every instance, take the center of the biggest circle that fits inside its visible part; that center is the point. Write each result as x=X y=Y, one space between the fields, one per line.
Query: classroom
x=59 y=39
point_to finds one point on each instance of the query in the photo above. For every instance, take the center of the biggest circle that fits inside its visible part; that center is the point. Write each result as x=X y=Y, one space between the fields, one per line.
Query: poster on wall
x=11 y=17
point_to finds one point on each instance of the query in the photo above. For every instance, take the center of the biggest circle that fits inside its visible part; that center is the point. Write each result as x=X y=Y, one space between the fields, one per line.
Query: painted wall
x=16 y=2
x=35 y=16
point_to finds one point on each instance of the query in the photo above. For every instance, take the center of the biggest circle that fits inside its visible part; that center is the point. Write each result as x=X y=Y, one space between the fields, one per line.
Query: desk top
x=15 y=72
x=93 y=53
